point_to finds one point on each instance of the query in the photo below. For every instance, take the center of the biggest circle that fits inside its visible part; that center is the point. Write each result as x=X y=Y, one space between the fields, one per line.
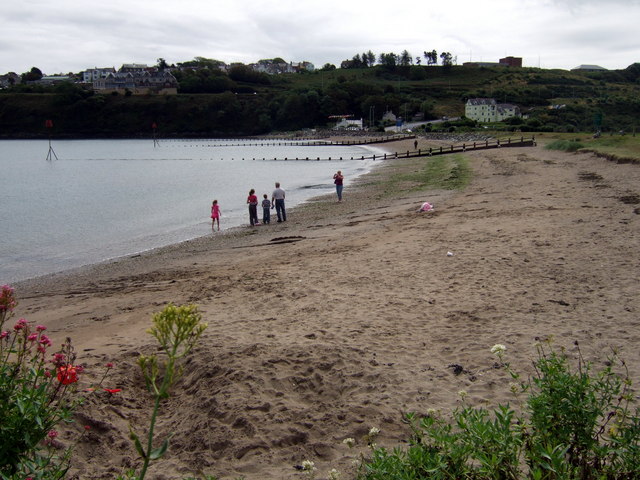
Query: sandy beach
x=350 y=314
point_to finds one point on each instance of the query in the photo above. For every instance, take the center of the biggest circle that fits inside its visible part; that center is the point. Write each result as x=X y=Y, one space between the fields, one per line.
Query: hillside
x=218 y=106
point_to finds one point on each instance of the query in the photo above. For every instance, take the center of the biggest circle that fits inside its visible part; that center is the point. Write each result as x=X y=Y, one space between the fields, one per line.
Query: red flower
x=112 y=390
x=67 y=374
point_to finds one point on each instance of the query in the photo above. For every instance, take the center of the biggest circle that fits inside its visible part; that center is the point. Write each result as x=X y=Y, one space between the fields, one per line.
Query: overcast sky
x=72 y=35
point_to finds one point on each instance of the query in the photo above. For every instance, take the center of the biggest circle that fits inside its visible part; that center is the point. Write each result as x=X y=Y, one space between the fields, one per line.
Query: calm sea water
x=103 y=199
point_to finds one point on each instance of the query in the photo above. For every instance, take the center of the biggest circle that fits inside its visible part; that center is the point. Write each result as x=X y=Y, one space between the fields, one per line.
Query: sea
x=71 y=203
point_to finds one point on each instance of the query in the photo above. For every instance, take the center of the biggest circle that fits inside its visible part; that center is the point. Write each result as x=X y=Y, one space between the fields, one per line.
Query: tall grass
x=565 y=145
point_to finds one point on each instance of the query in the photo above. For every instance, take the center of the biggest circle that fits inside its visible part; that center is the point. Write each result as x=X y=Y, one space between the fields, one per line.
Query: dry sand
x=357 y=315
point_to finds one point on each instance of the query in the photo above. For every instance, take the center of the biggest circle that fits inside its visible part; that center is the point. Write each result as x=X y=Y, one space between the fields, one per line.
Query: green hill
x=212 y=104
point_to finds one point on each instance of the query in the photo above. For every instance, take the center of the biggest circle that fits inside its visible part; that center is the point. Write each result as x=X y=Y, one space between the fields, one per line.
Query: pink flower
x=4 y=334
x=33 y=337
x=20 y=324
x=58 y=359
x=44 y=340
x=52 y=434
x=41 y=328
x=42 y=349
x=87 y=427
x=7 y=299
x=109 y=365
x=79 y=369
x=47 y=374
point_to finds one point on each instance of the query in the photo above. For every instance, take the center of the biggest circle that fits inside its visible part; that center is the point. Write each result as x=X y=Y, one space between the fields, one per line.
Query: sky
x=74 y=35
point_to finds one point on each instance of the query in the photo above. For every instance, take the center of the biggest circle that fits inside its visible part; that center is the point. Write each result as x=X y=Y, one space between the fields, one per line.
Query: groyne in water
x=423 y=152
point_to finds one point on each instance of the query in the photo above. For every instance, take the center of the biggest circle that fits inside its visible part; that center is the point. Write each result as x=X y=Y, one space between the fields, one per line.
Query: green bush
x=565 y=145
x=576 y=424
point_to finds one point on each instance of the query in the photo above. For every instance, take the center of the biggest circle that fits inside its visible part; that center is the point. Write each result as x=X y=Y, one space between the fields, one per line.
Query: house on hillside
x=133 y=68
x=515 y=62
x=346 y=124
x=92 y=74
x=589 y=68
x=159 y=82
x=10 y=79
x=486 y=110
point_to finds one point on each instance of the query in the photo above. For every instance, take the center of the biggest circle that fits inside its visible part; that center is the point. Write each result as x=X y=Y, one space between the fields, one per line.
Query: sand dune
x=350 y=314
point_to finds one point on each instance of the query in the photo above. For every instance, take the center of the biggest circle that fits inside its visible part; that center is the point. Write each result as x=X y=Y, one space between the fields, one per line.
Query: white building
x=486 y=110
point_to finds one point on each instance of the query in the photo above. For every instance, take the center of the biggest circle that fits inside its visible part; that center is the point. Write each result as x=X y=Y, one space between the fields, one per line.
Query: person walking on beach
x=252 y=200
x=338 y=179
x=266 y=213
x=215 y=215
x=278 y=199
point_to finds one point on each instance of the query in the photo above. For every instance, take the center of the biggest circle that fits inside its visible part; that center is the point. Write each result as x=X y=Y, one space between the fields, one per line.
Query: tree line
x=392 y=60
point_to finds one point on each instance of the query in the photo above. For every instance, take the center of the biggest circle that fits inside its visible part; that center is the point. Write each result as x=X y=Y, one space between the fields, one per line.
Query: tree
x=328 y=66
x=405 y=58
x=371 y=58
x=432 y=57
x=32 y=75
x=389 y=60
x=162 y=64
x=447 y=59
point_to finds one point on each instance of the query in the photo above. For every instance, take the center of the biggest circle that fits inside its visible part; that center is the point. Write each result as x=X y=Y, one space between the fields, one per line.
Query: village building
x=9 y=79
x=138 y=83
x=589 y=68
x=514 y=62
x=345 y=122
x=486 y=110
x=92 y=74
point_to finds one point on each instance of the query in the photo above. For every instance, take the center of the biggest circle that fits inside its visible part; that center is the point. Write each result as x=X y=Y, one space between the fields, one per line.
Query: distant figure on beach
x=415 y=144
x=278 y=199
x=266 y=213
x=338 y=179
x=215 y=215
x=252 y=200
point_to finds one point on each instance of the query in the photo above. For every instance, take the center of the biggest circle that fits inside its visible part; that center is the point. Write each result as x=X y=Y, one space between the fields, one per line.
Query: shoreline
x=230 y=235
x=353 y=313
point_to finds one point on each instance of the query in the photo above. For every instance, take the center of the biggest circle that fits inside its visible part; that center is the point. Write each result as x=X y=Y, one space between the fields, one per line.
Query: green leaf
x=160 y=451
x=136 y=442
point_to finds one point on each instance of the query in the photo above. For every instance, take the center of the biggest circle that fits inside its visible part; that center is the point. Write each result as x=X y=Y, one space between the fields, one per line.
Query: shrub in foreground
x=36 y=388
x=576 y=423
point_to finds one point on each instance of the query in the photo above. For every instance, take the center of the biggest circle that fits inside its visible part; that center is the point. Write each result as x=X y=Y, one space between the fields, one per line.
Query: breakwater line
x=423 y=152
x=279 y=142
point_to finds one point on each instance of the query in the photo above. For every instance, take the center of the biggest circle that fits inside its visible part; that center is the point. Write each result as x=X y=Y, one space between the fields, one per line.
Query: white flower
x=498 y=349
x=334 y=474
x=374 y=431
x=308 y=466
x=432 y=412
x=463 y=394
x=349 y=442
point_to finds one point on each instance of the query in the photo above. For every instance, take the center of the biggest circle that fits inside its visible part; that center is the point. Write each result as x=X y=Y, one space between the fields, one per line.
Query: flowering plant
x=35 y=389
x=177 y=330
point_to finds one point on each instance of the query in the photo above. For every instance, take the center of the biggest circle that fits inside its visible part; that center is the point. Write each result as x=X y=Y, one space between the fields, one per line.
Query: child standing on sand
x=215 y=215
x=252 y=200
x=266 y=205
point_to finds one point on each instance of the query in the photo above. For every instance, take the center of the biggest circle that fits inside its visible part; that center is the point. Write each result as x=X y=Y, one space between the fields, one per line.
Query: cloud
x=69 y=35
